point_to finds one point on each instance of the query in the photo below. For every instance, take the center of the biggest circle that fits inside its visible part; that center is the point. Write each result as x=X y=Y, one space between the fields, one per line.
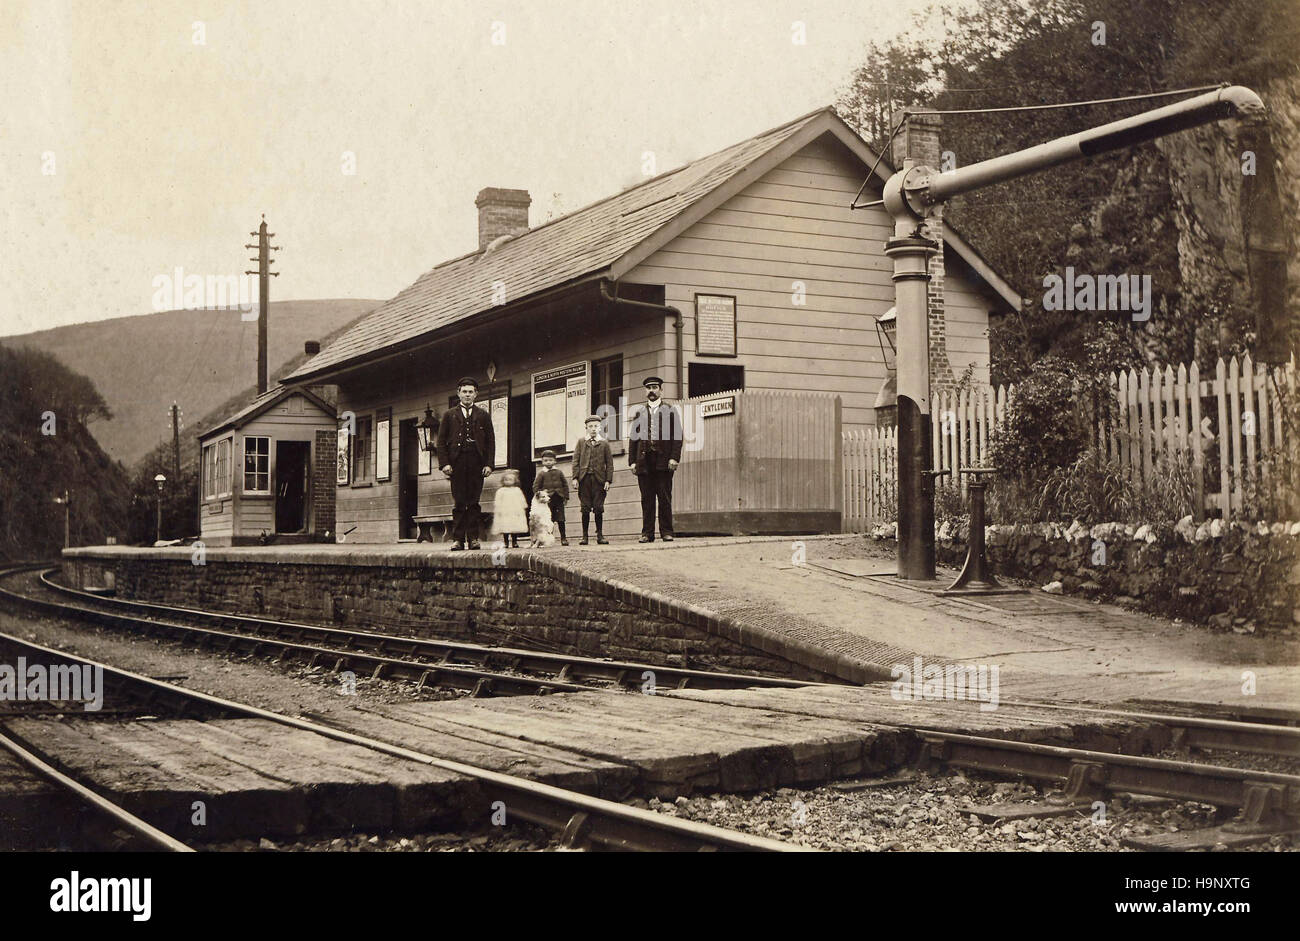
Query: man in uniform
x=654 y=450
x=466 y=446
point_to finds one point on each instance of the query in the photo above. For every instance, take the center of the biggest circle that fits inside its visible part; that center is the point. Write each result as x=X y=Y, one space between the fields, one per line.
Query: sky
x=139 y=138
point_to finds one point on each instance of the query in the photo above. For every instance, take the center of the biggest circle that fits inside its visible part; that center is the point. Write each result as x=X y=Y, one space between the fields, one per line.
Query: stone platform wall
x=524 y=602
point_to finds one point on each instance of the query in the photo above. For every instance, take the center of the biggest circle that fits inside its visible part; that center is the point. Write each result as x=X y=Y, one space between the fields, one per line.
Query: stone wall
x=1239 y=576
x=471 y=599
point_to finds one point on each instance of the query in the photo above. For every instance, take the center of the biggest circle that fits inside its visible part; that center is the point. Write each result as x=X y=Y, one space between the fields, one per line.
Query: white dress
x=509 y=511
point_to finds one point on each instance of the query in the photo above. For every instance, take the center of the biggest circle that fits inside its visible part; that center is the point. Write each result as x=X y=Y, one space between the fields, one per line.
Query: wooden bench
x=443 y=520
x=426 y=524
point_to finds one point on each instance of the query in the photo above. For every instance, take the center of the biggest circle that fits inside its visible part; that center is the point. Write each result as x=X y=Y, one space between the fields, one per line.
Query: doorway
x=292 y=461
x=519 y=451
x=408 y=478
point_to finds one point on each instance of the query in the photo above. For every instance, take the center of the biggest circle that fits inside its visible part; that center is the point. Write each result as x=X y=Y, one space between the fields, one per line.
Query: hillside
x=197 y=358
x=46 y=451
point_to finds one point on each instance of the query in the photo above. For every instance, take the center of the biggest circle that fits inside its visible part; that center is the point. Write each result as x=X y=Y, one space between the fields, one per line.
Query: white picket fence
x=1232 y=419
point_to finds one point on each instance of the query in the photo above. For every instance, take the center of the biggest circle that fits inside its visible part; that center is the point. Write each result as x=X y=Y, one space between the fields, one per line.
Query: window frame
x=257 y=491
x=363 y=463
x=599 y=368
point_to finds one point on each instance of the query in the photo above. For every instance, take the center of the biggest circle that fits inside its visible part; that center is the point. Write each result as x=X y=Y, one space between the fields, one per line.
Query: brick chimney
x=501 y=212
x=918 y=141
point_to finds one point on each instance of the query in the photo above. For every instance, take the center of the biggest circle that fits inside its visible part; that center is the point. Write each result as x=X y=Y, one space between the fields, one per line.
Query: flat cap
x=467 y=381
x=649 y=379
x=548 y=453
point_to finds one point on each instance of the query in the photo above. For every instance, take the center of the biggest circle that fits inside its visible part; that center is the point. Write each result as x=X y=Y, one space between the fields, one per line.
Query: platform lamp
x=427 y=429
x=161 y=481
x=67 y=518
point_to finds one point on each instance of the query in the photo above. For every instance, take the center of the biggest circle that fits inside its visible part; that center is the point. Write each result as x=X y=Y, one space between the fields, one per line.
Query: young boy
x=551 y=479
x=593 y=472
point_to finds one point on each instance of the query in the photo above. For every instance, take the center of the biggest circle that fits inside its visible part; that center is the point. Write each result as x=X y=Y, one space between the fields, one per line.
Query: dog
x=540 y=525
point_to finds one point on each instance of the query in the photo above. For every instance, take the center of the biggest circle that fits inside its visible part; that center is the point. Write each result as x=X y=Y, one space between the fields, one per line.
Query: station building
x=743 y=272
x=267 y=471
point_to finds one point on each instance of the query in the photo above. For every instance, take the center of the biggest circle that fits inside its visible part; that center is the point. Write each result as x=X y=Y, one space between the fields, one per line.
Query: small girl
x=510 y=510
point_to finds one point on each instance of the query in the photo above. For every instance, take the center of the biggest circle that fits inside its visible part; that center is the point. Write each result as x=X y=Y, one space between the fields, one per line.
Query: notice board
x=560 y=405
x=715 y=325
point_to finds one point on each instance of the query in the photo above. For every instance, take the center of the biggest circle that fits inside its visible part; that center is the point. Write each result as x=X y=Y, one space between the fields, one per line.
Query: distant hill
x=200 y=359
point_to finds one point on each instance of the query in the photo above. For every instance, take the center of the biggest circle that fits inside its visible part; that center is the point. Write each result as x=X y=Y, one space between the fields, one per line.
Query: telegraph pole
x=176 y=441
x=264 y=274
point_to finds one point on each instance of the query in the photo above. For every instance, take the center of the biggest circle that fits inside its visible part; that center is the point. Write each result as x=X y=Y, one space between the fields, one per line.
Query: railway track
x=580 y=819
x=147 y=835
x=479 y=669
x=1265 y=802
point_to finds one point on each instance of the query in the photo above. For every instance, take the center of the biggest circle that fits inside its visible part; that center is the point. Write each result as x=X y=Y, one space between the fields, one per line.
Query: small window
x=209 y=471
x=216 y=469
x=363 y=451
x=257 y=465
x=710 y=378
x=606 y=390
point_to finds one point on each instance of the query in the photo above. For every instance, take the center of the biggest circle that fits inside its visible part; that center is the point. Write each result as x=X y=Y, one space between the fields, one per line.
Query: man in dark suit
x=466 y=447
x=654 y=450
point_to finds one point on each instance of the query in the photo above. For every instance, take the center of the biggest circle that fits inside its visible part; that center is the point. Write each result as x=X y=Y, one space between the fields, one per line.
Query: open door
x=292 y=462
x=408 y=477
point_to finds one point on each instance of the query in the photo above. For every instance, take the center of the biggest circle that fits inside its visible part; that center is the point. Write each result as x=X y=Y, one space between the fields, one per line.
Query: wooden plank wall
x=371 y=511
x=792 y=227
x=777 y=451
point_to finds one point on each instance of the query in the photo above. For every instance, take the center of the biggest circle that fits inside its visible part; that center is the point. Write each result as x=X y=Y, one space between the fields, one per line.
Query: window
x=363 y=453
x=257 y=465
x=606 y=390
x=216 y=469
x=710 y=378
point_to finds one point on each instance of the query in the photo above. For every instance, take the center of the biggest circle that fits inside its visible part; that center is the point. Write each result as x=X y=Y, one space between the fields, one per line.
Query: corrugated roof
x=585 y=241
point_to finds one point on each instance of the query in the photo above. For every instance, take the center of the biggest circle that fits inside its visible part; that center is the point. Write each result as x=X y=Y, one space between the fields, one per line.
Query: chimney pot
x=501 y=212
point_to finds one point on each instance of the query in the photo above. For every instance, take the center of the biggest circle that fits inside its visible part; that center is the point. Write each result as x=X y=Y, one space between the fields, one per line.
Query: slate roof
x=586 y=240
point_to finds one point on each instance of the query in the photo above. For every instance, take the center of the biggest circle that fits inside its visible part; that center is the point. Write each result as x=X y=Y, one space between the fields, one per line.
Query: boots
x=586 y=523
x=564 y=540
x=600 y=534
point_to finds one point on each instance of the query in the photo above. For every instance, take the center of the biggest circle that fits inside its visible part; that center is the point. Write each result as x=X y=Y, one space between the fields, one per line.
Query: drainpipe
x=678 y=327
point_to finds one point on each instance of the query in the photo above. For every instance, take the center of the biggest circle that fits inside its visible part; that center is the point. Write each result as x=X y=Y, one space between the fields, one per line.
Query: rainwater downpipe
x=678 y=326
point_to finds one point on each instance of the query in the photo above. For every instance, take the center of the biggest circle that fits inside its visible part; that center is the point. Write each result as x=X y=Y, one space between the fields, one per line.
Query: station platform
x=822 y=604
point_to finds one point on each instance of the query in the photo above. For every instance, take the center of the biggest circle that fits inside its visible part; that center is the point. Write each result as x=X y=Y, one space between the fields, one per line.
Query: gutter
x=678 y=327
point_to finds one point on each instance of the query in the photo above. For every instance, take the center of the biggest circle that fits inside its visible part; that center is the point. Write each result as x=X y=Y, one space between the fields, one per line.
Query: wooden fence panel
x=1159 y=418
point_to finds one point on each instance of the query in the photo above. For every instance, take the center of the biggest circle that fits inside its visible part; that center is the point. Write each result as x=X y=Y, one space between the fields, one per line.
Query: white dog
x=540 y=525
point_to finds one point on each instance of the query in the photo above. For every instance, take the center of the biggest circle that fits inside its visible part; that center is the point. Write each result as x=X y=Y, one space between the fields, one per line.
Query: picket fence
x=1233 y=420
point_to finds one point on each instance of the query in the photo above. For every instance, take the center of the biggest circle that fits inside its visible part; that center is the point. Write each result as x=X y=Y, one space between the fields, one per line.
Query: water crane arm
x=909 y=193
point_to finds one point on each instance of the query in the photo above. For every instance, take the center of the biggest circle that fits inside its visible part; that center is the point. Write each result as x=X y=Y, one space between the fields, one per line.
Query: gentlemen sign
x=715 y=325
x=715 y=407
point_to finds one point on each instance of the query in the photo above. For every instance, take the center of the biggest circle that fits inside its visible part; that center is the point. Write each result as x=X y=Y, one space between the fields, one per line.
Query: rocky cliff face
x=1206 y=179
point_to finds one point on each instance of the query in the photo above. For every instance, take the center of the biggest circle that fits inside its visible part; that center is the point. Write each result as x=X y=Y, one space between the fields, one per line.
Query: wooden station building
x=744 y=270
x=267 y=471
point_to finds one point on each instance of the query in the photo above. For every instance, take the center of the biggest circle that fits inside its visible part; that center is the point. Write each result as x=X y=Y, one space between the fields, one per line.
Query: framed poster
x=383 y=444
x=715 y=325
x=343 y=473
x=559 y=407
